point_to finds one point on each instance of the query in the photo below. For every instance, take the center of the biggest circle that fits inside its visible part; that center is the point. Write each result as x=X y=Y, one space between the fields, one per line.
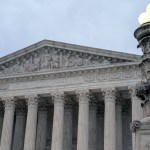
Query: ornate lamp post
x=142 y=128
x=142 y=34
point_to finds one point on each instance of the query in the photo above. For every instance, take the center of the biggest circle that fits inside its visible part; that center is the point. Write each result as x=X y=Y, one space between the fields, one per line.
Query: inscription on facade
x=94 y=77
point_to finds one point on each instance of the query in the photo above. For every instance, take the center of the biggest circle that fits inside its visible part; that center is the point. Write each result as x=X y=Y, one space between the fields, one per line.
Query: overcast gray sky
x=106 y=24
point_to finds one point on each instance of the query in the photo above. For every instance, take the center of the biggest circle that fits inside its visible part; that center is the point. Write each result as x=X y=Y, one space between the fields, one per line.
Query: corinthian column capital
x=132 y=92
x=32 y=100
x=109 y=93
x=9 y=102
x=82 y=95
x=58 y=97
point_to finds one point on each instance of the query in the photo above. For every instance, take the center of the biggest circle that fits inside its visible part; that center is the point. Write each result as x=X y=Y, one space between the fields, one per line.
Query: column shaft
x=137 y=110
x=30 y=134
x=19 y=131
x=83 y=121
x=118 y=127
x=41 y=130
x=109 y=122
x=67 y=142
x=7 y=130
x=58 y=122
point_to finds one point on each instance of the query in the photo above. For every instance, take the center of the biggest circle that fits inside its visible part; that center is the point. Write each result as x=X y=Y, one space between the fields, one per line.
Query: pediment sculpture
x=47 y=59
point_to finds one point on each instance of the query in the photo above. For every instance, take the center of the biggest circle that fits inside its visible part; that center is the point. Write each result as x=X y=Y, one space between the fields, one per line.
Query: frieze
x=72 y=79
x=49 y=58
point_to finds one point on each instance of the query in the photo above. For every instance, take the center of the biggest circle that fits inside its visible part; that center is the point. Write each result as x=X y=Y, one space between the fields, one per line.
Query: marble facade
x=58 y=96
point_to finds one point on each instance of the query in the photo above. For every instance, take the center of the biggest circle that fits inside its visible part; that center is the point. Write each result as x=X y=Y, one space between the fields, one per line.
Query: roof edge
x=68 y=46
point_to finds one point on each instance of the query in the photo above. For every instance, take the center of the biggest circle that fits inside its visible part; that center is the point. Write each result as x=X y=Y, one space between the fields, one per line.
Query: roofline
x=72 y=47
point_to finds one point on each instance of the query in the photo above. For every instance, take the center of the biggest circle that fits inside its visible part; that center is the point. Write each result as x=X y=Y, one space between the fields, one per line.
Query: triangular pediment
x=49 y=56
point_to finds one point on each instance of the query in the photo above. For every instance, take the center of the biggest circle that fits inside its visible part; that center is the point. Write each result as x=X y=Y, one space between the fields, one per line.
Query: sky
x=105 y=24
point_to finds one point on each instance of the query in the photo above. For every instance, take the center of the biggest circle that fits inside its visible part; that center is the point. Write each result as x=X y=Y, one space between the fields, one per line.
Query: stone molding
x=9 y=102
x=109 y=94
x=32 y=100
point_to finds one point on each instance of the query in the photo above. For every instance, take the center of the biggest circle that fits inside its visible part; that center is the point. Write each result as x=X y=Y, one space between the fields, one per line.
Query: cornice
x=71 y=47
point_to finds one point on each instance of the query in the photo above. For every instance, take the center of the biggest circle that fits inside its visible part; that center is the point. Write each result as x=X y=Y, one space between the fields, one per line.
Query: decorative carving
x=58 y=97
x=46 y=60
x=145 y=45
x=134 y=126
x=132 y=92
x=32 y=100
x=51 y=58
x=56 y=63
x=82 y=95
x=105 y=62
x=109 y=94
x=35 y=66
x=89 y=77
x=9 y=102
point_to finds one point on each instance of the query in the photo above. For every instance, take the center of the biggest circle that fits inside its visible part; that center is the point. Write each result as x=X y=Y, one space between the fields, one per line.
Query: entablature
x=104 y=73
x=51 y=57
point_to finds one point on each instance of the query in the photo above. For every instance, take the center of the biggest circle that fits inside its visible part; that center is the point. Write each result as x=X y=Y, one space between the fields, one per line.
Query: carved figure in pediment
x=78 y=61
x=2 y=69
x=55 y=62
x=72 y=61
x=105 y=62
x=16 y=68
x=67 y=61
x=26 y=65
x=35 y=62
x=45 y=60
x=5 y=69
x=87 y=61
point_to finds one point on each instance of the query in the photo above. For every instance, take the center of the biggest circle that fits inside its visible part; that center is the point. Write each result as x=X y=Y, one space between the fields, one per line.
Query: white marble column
x=93 y=127
x=41 y=129
x=58 y=121
x=31 y=124
x=19 y=132
x=110 y=119
x=67 y=142
x=83 y=120
x=137 y=110
x=7 y=130
x=118 y=126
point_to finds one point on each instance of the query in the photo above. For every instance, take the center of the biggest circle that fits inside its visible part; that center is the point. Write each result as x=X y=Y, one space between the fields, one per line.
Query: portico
x=66 y=102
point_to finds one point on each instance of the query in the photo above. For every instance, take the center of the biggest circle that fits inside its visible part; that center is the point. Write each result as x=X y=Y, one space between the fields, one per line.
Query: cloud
x=104 y=24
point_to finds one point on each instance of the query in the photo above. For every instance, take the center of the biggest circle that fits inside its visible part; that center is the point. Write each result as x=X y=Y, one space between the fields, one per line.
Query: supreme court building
x=58 y=96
